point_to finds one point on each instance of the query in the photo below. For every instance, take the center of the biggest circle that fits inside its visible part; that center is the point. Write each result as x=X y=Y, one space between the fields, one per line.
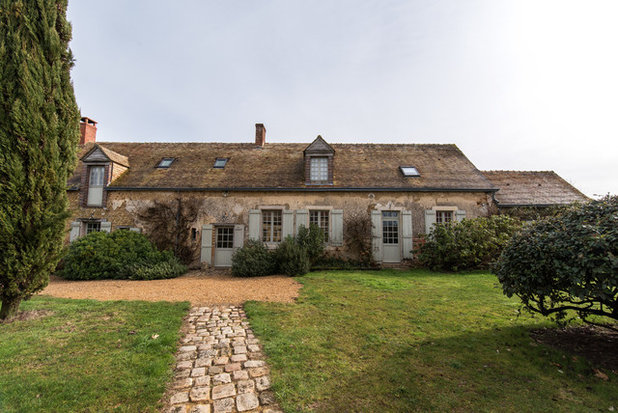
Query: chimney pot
x=88 y=130
x=260 y=134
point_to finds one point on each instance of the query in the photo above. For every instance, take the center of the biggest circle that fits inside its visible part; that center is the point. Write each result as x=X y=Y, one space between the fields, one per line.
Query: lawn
x=88 y=356
x=417 y=341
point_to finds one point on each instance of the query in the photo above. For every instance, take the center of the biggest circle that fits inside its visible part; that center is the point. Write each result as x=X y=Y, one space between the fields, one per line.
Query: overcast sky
x=523 y=85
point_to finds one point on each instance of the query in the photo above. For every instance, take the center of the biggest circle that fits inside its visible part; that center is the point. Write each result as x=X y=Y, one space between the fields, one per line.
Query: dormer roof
x=319 y=147
x=100 y=154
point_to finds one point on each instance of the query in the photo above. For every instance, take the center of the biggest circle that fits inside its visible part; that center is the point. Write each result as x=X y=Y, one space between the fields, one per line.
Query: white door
x=390 y=236
x=224 y=246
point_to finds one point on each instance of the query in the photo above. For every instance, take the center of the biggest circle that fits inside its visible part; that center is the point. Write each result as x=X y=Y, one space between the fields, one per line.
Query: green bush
x=292 y=257
x=253 y=260
x=567 y=262
x=466 y=245
x=312 y=240
x=118 y=255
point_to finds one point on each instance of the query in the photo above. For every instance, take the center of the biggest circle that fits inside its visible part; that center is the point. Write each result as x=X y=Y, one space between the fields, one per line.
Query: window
x=319 y=169
x=444 y=216
x=409 y=171
x=320 y=218
x=165 y=162
x=93 y=226
x=271 y=226
x=390 y=227
x=225 y=237
x=194 y=234
x=95 y=185
x=220 y=163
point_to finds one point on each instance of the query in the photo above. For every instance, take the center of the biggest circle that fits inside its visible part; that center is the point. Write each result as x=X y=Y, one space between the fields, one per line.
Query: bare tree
x=357 y=227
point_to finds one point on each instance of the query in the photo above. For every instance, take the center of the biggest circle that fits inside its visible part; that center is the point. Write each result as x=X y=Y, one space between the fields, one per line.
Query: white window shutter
x=135 y=229
x=460 y=214
x=287 y=223
x=75 y=228
x=376 y=235
x=336 y=227
x=239 y=236
x=254 y=224
x=106 y=226
x=302 y=218
x=206 y=253
x=406 y=233
x=430 y=220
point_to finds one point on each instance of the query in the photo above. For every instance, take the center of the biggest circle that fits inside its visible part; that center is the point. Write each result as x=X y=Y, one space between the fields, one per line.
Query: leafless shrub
x=168 y=225
x=357 y=233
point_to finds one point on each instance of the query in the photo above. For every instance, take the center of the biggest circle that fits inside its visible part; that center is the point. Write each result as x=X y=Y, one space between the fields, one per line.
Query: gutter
x=297 y=189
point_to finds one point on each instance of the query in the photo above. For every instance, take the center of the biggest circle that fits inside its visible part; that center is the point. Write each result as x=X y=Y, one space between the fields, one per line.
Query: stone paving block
x=215 y=370
x=240 y=375
x=187 y=348
x=253 y=348
x=202 y=381
x=223 y=405
x=223 y=390
x=246 y=402
x=232 y=367
x=181 y=365
x=245 y=386
x=181 y=374
x=221 y=360
x=180 y=397
x=182 y=383
x=267 y=397
x=221 y=378
x=200 y=408
x=240 y=349
x=197 y=372
x=199 y=394
x=254 y=363
x=262 y=383
x=203 y=362
x=258 y=371
x=238 y=358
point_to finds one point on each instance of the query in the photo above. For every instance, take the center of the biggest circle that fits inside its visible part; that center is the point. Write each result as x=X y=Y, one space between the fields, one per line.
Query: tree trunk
x=9 y=308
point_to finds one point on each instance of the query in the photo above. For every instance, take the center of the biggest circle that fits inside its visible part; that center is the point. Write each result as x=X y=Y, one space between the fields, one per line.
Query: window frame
x=322 y=171
x=87 y=225
x=402 y=168
x=441 y=214
x=322 y=216
x=161 y=166
x=391 y=233
x=99 y=185
x=271 y=238
x=224 y=237
x=224 y=160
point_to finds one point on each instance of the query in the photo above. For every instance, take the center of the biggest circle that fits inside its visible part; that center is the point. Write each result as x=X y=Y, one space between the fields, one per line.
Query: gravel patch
x=197 y=287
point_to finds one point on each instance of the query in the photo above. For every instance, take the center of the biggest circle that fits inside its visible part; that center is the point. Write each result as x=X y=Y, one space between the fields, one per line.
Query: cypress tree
x=39 y=132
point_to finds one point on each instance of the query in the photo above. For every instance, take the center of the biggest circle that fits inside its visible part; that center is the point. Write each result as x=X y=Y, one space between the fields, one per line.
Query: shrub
x=117 y=255
x=466 y=245
x=312 y=240
x=292 y=257
x=567 y=262
x=253 y=260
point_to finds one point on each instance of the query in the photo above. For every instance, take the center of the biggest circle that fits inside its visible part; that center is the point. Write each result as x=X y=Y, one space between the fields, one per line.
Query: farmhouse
x=266 y=191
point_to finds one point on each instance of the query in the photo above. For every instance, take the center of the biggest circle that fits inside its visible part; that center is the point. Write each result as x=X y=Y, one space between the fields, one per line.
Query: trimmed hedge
x=118 y=255
x=253 y=260
x=467 y=245
x=566 y=262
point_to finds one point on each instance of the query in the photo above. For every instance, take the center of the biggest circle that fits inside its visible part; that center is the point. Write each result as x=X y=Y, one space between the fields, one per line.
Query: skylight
x=220 y=163
x=165 y=162
x=409 y=171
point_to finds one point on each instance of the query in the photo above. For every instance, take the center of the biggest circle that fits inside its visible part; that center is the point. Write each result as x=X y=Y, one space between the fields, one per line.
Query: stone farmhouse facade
x=266 y=191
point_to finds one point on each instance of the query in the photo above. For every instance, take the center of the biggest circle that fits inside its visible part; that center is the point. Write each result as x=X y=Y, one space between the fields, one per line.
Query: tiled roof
x=280 y=165
x=529 y=188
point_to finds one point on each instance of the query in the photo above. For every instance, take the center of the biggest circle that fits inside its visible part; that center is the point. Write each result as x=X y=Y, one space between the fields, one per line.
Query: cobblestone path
x=220 y=367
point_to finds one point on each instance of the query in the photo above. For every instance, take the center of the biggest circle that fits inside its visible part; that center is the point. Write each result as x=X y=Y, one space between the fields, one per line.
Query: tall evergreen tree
x=39 y=132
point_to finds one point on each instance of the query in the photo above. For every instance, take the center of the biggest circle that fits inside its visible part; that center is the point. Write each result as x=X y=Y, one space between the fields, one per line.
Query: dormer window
x=409 y=171
x=220 y=163
x=319 y=169
x=96 y=182
x=165 y=163
x=319 y=163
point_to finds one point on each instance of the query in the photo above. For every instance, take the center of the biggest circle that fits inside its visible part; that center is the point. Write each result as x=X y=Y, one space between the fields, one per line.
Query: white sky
x=516 y=84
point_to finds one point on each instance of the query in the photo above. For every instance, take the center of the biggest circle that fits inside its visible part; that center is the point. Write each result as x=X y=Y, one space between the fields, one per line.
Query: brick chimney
x=260 y=134
x=88 y=129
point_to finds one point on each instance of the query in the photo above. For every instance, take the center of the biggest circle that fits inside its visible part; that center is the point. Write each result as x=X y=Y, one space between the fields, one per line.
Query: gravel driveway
x=197 y=287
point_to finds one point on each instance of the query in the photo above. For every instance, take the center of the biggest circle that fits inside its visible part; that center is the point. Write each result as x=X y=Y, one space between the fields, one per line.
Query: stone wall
x=122 y=207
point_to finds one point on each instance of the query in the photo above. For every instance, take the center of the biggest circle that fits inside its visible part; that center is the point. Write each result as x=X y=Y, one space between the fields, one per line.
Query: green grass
x=88 y=356
x=417 y=341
